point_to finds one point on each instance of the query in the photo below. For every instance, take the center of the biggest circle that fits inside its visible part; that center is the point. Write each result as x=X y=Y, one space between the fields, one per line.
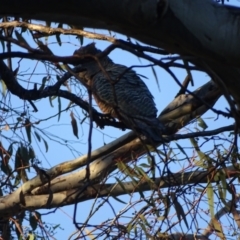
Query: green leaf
x=17 y=180
x=44 y=47
x=44 y=80
x=144 y=165
x=144 y=220
x=145 y=176
x=118 y=199
x=4 y=88
x=59 y=108
x=15 y=126
x=31 y=236
x=56 y=226
x=222 y=189
x=10 y=148
x=218 y=228
x=37 y=136
x=5 y=167
x=121 y=184
x=156 y=78
x=130 y=227
x=201 y=123
x=46 y=144
x=167 y=203
x=33 y=222
x=48 y=23
x=210 y=196
x=18 y=162
x=31 y=153
x=28 y=129
x=224 y=184
x=3 y=45
x=74 y=125
x=58 y=39
x=79 y=37
x=182 y=150
x=199 y=189
x=21 y=39
x=179 y=210
x=51 y=99
x=24 y=155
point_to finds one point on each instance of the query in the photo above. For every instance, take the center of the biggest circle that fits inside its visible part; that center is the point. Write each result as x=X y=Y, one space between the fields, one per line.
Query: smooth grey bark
x=187 y=27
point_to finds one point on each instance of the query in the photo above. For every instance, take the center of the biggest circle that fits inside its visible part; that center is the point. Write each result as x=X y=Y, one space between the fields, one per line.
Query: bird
x=119 y=91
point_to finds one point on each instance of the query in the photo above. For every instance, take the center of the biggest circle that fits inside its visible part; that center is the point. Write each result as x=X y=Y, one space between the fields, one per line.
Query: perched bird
x=120 y=92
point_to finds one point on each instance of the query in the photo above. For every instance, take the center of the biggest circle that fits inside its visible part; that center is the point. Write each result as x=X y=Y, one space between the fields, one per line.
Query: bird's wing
x=125 y=91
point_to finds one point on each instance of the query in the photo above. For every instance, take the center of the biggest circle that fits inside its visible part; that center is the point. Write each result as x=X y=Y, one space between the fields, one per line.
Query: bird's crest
x=88 y=49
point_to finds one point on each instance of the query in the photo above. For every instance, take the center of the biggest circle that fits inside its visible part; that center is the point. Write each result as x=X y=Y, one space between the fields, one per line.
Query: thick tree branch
x=52 y=31
x=40 y=199
x=176 y=26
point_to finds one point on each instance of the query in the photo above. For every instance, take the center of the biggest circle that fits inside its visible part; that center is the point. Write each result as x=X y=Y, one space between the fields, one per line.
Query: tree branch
x=39 y=199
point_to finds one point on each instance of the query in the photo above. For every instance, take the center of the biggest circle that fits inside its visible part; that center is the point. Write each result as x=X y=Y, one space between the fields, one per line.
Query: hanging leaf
x=33 y=222
x=210 y=196
x=21 y=39
x=59 y=108
x=37 y=136
x=45 y=143
x=144 y=220
x=89 y=234
x=218 y=228
x=31 y=153
x=22 y=158
x=51 y=99
x=179 y=210
x=118 y=199
x=2 y=150
x=24 y=155
x=121 y=184
x=58 y=39
x=3 y=45
x=74 y=125
x=79 y=37
x=48 y=23
x=28 y=129
x=167 y=203
x=222 y=189
x=10 y=148
x=156 y=78
x=182 y=150
x=17 y=123
x=201 y=123
x=5 y=167
x=4 y=88
x=44 y=80
x=17 y=180
x=31 y=236
x=44 y=47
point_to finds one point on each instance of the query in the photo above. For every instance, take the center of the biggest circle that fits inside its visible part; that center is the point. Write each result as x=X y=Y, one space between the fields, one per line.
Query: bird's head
x=89 y=50
x=92 y=65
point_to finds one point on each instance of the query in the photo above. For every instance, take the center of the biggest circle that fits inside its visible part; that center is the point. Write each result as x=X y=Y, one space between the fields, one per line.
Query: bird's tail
x=151 y=129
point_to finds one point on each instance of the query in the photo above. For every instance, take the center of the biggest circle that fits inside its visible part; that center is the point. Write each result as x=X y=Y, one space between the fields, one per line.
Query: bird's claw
x=103 y=118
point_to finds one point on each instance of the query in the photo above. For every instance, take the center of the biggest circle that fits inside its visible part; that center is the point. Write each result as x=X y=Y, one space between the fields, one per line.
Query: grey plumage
x=119 y=91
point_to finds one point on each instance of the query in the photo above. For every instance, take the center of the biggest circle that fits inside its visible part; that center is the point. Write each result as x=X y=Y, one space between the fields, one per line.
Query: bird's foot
x=104 y=119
